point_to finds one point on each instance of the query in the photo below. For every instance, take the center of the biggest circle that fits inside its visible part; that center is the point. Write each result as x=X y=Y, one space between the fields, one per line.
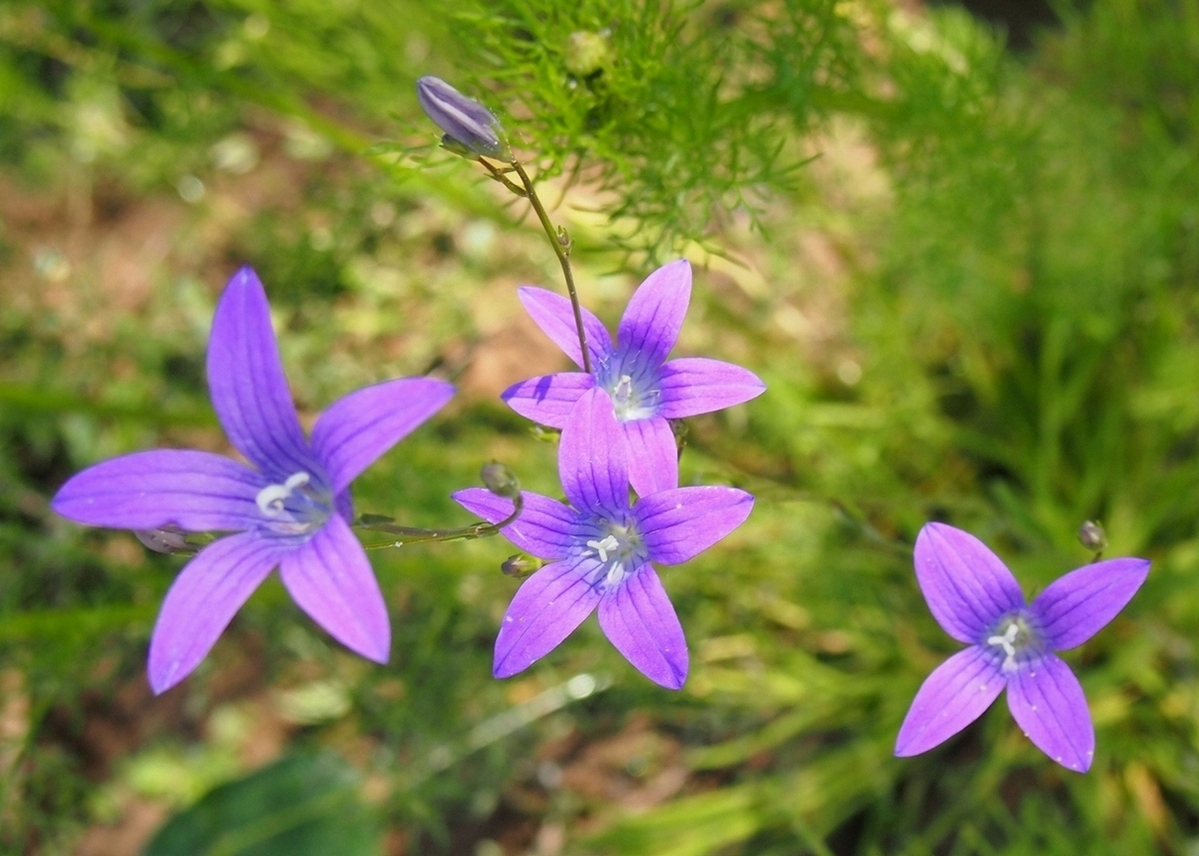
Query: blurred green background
x=968 y=273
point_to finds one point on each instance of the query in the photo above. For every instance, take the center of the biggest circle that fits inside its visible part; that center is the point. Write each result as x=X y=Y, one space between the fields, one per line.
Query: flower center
x=619 y=549
x=297 y=507
x=633 y=388
x=1014 y=635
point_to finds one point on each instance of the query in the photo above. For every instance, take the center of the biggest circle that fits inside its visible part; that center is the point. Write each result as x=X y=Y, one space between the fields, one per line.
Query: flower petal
x=548 y=399
x=1048 y=704
x=653 y=455
x=330 y=578
x=248 y=387
x=543 y=528
x=1073 y=608
x=360 y=427
x=953 y=696
x=639 y=619
x=202 y=601
x=546 y=609
x=652 y=320
x=679 y=524
x=966 y=585
x=197 y=491
x=591 y=456
x=694 y=385
x=556 y=318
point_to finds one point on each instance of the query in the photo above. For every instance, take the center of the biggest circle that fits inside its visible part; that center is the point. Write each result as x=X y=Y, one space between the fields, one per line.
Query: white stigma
x=271 y=498
x=1006 y=642
x=602 y=547
x=624 y=388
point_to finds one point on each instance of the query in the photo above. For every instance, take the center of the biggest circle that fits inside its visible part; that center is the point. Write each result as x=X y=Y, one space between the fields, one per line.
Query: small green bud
x=1092 y=536
x=520 y=565
x=587 y=53
x=500 y=480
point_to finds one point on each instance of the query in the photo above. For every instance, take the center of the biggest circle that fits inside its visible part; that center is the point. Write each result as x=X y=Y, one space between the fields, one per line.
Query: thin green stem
x=412 y=535
x=560 y=241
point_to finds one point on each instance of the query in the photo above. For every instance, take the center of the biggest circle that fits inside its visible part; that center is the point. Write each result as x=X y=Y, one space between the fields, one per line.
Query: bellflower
x=975 y=598
x=602 y=550
x=290 y=507
x=646 y=390
x=463 y=120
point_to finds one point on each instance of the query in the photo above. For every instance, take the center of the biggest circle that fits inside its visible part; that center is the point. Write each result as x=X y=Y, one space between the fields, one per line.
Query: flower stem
x=411 y=535
x=559 y=240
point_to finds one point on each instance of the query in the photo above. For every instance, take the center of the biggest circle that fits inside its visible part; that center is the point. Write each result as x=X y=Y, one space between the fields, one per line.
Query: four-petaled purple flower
x=975 y=598
x=646 y=390
x=290 y=508
x=601 y=551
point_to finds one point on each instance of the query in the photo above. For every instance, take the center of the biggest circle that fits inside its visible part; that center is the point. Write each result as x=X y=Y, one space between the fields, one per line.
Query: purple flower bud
x=465 y=121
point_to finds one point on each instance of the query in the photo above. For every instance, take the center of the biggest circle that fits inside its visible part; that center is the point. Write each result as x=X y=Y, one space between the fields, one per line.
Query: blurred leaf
x=301 y=806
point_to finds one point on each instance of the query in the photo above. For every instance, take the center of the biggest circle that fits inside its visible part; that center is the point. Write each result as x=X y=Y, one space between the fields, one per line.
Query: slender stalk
x=561 y=244
x=411 y=535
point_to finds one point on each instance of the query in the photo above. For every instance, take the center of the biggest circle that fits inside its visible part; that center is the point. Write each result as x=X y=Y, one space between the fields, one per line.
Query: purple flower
x=647 y=391
x=601 y=551
x=290 y=508
x=464 y=120
x=975 y=598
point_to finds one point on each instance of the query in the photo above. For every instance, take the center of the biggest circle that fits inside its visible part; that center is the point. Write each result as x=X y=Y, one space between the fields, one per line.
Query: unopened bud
x=168 y=539
x=500 y=480
x=466 y=122
x=1092 y=536
x=587 y=52
x=520 y=565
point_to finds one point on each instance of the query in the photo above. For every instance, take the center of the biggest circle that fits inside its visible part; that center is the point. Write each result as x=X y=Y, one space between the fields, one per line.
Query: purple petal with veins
x=1047 y=702
x=639 y=620
x=202 y=601
x=543 y=529
x=546 y=609
x=953 y=696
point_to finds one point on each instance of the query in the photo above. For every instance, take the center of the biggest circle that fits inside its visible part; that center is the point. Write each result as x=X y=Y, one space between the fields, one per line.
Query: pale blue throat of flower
x=299 y=506
x=632 y=385
x=618 y=546
x=1016 y=635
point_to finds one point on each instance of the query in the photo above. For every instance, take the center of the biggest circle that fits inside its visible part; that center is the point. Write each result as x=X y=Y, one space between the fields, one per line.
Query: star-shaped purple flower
x=290 y=508
x=645 y=389
x=601 y=549
x=975 y=598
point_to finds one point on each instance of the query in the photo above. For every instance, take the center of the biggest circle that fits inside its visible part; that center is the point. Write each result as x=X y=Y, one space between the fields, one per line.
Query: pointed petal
x=966 y=585
x=953 y=696
x=591 y=456
x=546 y=609
x=654 y=316
x=1049 y=706
x=543 y=528
x=202 y=601
x=1072 y=609
x=653 y=455
x=639 y=619
x=245 y=377
x=196 y=491
x=548 y=399
x=330 y=578
x=360 y=427
x=556 y=318
x=679 y=524
x=694 y=385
